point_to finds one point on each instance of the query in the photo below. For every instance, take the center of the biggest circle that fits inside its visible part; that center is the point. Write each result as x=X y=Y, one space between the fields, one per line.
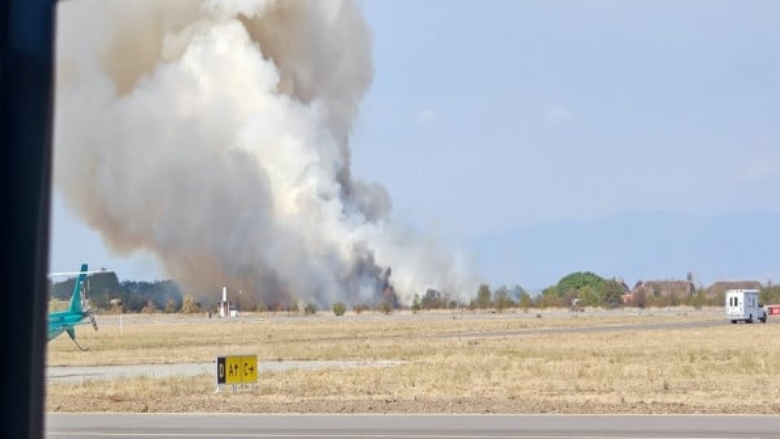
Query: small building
x=665 y=288
x=719 y=288
x=225 y=308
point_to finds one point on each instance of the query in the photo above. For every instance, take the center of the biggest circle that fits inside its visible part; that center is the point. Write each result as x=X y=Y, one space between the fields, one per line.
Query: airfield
x=624 y=361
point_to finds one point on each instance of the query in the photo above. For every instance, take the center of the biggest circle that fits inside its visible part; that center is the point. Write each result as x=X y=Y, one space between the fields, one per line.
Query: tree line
x=575 y=290
x=106 y=292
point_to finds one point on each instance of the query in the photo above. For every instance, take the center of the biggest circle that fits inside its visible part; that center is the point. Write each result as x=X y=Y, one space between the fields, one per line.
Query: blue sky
x=540 y=135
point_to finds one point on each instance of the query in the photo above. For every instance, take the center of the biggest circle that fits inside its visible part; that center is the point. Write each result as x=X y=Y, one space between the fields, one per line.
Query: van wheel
x=733 y=322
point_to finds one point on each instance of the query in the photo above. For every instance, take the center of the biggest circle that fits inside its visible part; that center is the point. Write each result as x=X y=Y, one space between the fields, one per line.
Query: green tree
x=580 y=279
x=433 y=300
x=550 y=297
x=135 y=295
x=589 y=296
x=699 y=299
x=516 y=293
x=769 y=294
x=339 y=309
x=61 y=290
x=483 y=297
x=525 y=301
x=416 y=306
x=612 y=293
x=102 y=287
x=501 y=298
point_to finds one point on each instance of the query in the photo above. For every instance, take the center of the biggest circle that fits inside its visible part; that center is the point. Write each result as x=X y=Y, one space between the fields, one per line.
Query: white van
x=744 y=305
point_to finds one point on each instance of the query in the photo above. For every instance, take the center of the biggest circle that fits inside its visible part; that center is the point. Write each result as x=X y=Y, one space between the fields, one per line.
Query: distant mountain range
x=635 y=246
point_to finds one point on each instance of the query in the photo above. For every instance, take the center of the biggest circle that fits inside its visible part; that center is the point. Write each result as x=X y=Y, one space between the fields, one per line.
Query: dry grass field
x=450 y=363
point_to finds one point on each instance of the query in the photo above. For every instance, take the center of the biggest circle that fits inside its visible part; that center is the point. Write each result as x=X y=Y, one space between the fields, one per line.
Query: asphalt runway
x=206 y=426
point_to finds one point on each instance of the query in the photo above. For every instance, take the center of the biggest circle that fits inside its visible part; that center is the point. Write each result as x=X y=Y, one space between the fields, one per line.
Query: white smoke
x=216 y=135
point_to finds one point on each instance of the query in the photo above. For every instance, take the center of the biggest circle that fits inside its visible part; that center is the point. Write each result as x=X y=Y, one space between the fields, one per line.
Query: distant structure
x=642 y=291
x=225 y=308
x=718 y=288
x=665 y=288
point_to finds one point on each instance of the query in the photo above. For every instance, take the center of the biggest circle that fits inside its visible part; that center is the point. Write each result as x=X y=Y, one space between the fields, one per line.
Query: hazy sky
x=486 y=119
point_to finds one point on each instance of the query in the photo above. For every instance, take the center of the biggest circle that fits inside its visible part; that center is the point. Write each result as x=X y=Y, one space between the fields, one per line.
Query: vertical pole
x=26 y=84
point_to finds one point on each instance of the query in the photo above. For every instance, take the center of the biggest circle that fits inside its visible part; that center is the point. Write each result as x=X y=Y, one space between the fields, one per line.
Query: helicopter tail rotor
x=85 y=305
x=92 y=320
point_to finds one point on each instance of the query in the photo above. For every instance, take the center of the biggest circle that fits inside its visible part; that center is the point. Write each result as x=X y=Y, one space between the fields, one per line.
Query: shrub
x=170 y=306
x=385 y=308
x=189 y=306
x=339 y=309
x=150 y=308
x=359 y=308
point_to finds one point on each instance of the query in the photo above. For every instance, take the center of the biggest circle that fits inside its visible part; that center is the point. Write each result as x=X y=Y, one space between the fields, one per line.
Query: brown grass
x=720 y=369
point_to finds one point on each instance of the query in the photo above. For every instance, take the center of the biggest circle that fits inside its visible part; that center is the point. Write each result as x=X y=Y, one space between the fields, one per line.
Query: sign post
x=236 y=370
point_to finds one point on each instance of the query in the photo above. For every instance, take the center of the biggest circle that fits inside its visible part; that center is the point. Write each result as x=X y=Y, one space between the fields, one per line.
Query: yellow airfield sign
x=237 y=369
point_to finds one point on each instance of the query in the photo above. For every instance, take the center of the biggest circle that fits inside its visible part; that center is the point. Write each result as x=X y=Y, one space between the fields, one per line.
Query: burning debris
x=223 y=146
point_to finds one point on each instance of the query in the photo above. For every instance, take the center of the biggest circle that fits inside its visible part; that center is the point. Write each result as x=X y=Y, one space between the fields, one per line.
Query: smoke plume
x=216 y=133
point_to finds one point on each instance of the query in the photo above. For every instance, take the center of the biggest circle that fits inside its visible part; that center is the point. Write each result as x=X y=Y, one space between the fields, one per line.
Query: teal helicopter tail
x=76 y=300
x=77 y=312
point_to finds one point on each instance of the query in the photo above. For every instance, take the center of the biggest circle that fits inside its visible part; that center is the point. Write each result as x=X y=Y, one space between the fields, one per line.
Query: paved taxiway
x=175 y=426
